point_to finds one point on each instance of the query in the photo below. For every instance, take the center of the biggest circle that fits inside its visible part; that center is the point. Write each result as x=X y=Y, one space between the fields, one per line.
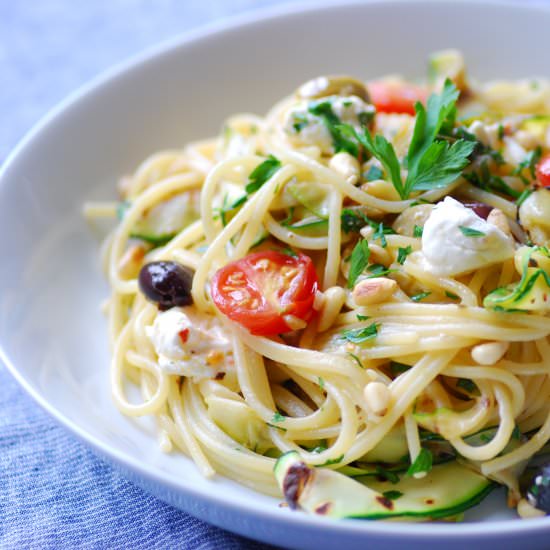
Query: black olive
x=480 y=208
x=538 y=490
x=167 y=284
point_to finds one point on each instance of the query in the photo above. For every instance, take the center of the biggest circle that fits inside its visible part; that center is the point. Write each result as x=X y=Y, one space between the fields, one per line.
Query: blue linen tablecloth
x=54 y=493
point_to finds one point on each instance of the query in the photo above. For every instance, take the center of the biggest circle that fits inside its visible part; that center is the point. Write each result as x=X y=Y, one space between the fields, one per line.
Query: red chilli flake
x=184 y=335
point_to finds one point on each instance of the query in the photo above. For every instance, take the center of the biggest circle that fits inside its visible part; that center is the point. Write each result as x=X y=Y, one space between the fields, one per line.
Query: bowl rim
x=235 y=504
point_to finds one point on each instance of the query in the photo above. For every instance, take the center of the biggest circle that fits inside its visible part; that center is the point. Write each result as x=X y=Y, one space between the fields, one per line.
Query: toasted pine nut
x=497 y=218
x=335 y=297
x=379 y=255
x=377 y=398
x=366 y=232
x=373 y=291
x=347 y=165
x=527 y=510
x=489 y=353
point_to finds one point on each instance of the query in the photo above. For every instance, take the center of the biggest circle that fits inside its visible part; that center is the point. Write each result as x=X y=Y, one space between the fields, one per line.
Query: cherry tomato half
x=395 y=97
x=259 y=290
x=543 y=170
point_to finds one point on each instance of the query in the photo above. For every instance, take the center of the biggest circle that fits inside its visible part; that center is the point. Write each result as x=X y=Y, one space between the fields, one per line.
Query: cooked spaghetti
x=357 y=281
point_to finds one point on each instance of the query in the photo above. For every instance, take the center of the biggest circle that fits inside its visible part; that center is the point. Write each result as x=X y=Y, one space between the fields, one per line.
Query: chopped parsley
x=420 y=296
x=466 y=384
x=470 y=232
x=333 y=461
x=432 y=163
x=321 y=382
x=360 y=335
x=398 y=368
x=451 y=295
x=392 y=495
x=278 y=417
x=387 y=475
x=229 y=208
x=379 y=234
x=402 y=254
x=300 y=122
x=262 y=173
x=276 y=427
x=340 y=142
x=489 y=182
x=356 y=359
x=379 y=270
x=529 y=164
x=353 y=221
x=422 y=463
x=289 y=252
x=521 y=199
x=359 y=261
x=417 y=231
x=362 y=317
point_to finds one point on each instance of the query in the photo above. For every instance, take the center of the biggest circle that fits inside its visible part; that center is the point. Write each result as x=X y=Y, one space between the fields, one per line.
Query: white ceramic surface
x=54 y=339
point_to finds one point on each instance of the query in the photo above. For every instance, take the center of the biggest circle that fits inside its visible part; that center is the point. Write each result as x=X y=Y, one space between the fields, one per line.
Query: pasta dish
x=345 y=302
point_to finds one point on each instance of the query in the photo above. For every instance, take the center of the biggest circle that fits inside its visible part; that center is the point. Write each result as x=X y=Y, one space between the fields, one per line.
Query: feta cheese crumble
x=303 y=128
x=456 y=240
x=189 y=343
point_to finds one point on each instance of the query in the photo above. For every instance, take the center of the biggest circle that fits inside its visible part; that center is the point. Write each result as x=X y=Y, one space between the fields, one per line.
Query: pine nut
x=377 y=398
x=490 y=353
x=497 y=218
x=527 y=510
x=373 y=291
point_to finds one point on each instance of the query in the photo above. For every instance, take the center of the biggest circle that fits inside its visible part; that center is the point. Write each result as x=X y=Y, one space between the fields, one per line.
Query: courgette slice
x=166 y=219
x=313 y=196
x=531 y=292
x=447 y=490
x=310 y=227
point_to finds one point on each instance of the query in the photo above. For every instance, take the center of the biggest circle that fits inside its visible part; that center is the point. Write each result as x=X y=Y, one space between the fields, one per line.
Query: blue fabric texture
x=54 y=493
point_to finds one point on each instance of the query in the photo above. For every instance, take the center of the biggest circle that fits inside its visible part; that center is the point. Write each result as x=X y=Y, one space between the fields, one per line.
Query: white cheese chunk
x=448 y=251
x=305 y=129
x=183 y=340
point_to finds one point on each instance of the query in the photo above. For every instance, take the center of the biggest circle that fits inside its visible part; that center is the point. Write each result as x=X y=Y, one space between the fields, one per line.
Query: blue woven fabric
x=57 y=494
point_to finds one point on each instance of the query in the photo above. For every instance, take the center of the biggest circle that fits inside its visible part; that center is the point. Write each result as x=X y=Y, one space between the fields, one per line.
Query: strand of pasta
x=149 y=197
x=216 y=248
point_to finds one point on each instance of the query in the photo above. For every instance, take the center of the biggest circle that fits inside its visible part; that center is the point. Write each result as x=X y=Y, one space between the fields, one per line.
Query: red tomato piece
x=261 y=289
x=396 y=97
x=543 y=170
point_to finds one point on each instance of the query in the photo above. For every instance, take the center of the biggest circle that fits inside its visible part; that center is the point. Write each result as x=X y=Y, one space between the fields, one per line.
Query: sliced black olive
x=480 y=208
x=538 y=489
x=167 y=284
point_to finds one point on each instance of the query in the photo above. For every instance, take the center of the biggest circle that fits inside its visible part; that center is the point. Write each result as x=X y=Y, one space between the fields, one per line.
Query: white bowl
x=54 y=339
